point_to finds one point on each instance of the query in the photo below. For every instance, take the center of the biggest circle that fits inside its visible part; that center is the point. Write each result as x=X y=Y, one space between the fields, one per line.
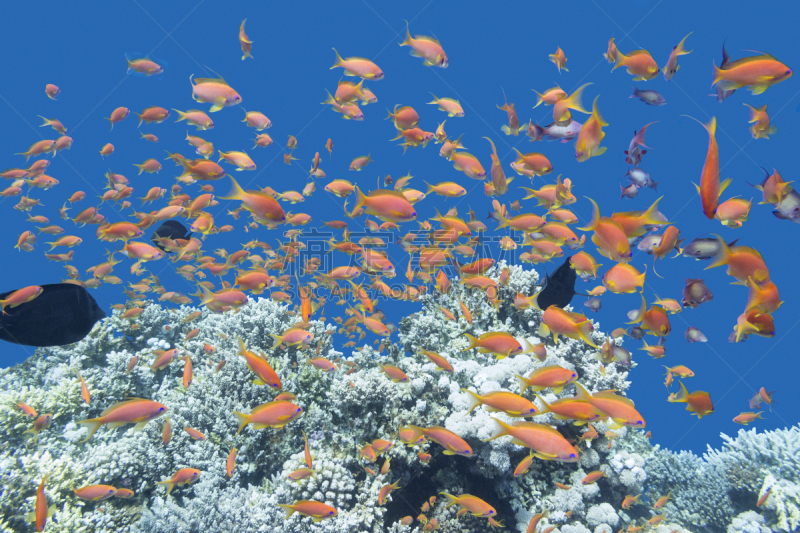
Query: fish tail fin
x=236 y=191
x=504 y=222
x=718 y=74
x=598 y=118
x=539 y=98
x=169 y=484
x=619 y=58
x=289 y=509
x=595 y=216
x=435 y=100
x=574 y=100
x=546 y=408
x=635 y=94
x=680 y=50
x=181 y=116
x=680 y=396
x=474 y=401
x=361 y=199
x=722 y=256
x=94 y=424
x=724 y=185
x=330 y=100
x=638 y=138
x=407 y=40
x=502 y=430
x=243 y=420
x=653 y=215
x=339 y=60
x=585 y=332
x=522 y=382
x=278 y=338
x=451 y=500
x=473 y=342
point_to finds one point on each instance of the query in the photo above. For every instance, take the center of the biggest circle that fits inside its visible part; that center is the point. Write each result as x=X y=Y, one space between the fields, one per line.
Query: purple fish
x=634 y=152
x=649 y=243
x=554 y=131
x=648 y=96
x=703 y=248
x=640 y=178
x=593 y=303
x=630 y=191
x=695 y=293
x=695 y=335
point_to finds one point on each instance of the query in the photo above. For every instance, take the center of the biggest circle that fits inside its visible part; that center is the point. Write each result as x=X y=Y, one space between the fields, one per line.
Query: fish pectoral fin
x=758 y=89
x=599 y=151
x=449 y=452
x=140 y=426
x=259 y=381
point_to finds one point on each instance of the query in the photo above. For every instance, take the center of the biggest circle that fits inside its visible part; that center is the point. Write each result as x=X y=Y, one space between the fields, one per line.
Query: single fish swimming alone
x=648 y=96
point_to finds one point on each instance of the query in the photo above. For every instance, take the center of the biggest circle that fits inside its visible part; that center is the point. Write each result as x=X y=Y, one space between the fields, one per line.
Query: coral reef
x=344 y=409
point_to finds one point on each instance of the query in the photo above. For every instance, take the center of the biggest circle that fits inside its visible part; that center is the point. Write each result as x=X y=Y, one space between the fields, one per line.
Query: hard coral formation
x=342 y=410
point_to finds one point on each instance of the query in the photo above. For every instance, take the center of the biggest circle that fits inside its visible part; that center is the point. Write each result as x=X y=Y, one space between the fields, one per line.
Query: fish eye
x=160 y=409
x=572 y=455
x=330 y=512
x=298 y=410
x=640 y=422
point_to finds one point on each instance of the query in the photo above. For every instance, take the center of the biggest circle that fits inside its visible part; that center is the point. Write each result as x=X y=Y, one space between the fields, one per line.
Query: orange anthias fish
x=573 y=325
x=472 y=504
x=135 y=411
x=560 y=59
x=499 y=343
x=698 y=402
x=639 y=62
x=247 y=44
x=710 y=188
x=762 y=128
x=215 y=91
x=427 y=48
x=184 y=476
x=743 y=262
x=588 y=142
x=620 y=409
x=271 y=414
x=756 y=72
x=507 y=402
x=545 y=441
x=358 y=66
x=387 y=205
x=452 y=443
x=265 y=375
x=316 y=510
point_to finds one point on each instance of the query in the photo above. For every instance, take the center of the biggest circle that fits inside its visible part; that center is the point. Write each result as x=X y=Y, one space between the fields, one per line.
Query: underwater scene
x=399 y=267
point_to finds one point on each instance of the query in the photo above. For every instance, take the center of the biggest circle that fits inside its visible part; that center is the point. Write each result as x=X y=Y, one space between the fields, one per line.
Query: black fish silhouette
x=62 y=314
x=559 y=288
x=171 y=229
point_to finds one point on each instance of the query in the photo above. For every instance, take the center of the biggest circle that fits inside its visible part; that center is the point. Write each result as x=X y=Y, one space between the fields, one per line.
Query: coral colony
x=351 y=419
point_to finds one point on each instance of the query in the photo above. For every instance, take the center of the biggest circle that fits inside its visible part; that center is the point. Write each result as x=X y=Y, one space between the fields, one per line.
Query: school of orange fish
x=612 y=235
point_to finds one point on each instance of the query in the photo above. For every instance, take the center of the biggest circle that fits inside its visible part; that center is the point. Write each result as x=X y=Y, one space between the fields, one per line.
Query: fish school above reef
x=492 y=405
